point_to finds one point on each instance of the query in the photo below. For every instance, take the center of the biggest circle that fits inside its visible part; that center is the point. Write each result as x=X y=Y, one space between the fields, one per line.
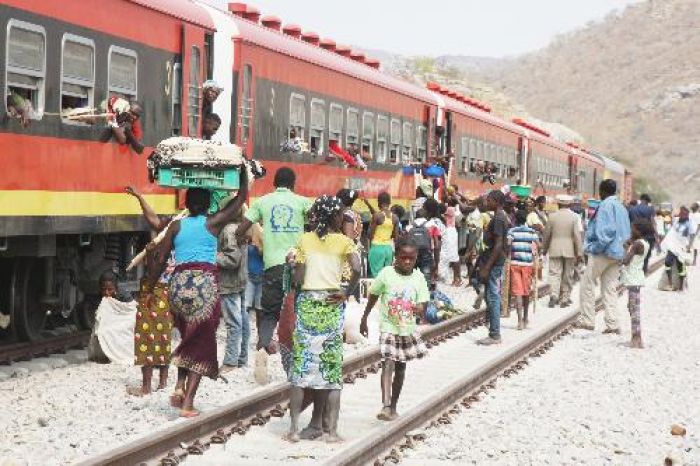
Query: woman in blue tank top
x=194 y=291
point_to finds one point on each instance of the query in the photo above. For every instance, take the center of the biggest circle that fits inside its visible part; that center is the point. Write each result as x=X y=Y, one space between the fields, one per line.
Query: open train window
x=335 y=123
x=122 y=73
x=25 y=71
x=473 y=157
x=176 y=99
x=407 y=150
x=247 y=103
x=297 y=115
x=317 y=126
x=368 y=134
x=382 y=138
x=394 y=148
x=193 y=94
x=352 y=135
x=77 y=73
x=464 y=155
x=421 y=144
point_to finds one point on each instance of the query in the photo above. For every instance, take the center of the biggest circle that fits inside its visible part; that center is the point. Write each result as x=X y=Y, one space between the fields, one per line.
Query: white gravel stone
x=591 y=400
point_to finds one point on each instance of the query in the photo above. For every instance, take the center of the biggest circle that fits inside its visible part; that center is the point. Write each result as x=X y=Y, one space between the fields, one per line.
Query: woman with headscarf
x=194 y=289
x=317 y=353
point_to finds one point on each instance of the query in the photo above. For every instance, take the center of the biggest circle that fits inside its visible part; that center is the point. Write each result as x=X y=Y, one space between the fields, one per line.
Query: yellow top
x=324 y=259
x=383 y=232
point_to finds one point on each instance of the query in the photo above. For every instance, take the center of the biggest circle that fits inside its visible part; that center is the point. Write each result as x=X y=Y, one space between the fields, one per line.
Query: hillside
x=629 y=84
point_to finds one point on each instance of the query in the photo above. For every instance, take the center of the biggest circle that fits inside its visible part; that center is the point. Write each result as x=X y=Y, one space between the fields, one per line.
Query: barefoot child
x=633 y=275
x=403 y=293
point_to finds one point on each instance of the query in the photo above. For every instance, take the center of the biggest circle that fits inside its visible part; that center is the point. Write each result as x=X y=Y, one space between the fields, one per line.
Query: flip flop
x=189 y=413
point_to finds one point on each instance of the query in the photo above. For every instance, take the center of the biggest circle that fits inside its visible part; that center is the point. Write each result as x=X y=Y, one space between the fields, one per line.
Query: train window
x=193 y=89
x=464 y=155
x=77 y=73
x=317 y=126
x=368 y=134
x=122 y=73
x=352 y=136
x=406 y=152
x=395 y=141
x=176 y=99
x=297 y=115
x=25 y=71
x=247 y=102
x=421 y=144
x=382 y=138
x=335 y=123
x=472 y=155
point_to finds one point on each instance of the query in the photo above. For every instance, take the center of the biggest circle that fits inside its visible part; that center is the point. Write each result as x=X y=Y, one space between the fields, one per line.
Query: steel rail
x=25 y=351
x=171 y=445
x=372 y=448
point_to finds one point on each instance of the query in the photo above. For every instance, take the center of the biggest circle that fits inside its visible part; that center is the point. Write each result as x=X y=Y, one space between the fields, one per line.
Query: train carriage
x=63 y=217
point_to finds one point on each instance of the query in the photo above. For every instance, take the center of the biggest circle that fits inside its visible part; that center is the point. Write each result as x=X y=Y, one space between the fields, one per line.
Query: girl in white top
x=633 y=276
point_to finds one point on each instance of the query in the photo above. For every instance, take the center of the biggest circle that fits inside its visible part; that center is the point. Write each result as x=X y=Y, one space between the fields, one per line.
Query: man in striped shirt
x=523 y=242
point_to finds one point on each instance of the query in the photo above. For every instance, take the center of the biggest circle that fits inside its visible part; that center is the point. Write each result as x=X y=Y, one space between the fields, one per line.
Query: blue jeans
x=237 y=329
x=493 y=300
x=253 y=292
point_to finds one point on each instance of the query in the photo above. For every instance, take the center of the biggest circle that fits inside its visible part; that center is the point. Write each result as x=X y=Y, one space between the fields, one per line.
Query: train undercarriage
x=52 y=281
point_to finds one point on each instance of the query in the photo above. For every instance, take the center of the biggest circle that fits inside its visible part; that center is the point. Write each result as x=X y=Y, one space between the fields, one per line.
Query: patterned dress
x=317 y=342
x=154 y=325
x=194 y=301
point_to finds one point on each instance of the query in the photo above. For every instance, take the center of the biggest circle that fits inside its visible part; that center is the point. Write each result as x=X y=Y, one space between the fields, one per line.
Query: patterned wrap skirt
x=195 y=305
x=317 y=342
x=401 y=348
x=154 y=325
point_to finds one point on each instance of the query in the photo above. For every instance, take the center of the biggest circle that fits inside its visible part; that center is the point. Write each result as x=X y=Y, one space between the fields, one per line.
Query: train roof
x=455 y=105
x=610 y=164
x=255 y=33
x=185 y=10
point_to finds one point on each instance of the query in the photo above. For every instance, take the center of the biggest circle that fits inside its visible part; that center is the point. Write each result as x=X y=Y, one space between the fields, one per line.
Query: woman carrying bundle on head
x=194 y=289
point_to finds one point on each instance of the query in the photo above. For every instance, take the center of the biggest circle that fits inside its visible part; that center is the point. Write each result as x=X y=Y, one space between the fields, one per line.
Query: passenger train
x=64 y=217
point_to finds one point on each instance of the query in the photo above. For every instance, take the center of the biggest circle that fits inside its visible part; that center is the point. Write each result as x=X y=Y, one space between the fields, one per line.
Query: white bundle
x=190 y=151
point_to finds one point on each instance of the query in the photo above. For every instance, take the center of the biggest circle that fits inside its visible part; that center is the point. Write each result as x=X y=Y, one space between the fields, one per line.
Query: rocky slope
x=629 y=84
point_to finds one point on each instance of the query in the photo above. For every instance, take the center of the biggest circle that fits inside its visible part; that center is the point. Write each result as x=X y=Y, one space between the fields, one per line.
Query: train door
x=193 y=66
x=430 y=126
x=524 y=161
x=573 y=175
x=449 y=130
x=246 y=108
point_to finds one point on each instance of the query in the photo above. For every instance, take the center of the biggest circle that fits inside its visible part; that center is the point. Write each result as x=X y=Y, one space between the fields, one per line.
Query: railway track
x=14 y=352
x=173 y=445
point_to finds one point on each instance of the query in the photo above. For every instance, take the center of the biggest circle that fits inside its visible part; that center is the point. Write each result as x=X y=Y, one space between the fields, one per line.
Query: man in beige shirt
x=562 y=242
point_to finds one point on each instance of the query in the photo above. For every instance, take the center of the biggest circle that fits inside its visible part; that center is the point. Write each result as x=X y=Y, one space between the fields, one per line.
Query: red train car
x=64 y=217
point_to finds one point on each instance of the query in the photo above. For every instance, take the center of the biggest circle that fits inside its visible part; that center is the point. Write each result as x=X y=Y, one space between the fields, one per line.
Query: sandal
x=189 y=413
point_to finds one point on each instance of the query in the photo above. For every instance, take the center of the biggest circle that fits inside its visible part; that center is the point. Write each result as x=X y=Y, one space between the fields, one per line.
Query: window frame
x=383 y=157
x=247 y=103
x=129 y=53
x=348 y=135
x=370 y=116
x=395 y=145
x=300 y=129
x=317 y=131
x=407 y=142
x=38 y=109
x=339 y=133
x=76 y=39
x=421 y=143
x=176 y=99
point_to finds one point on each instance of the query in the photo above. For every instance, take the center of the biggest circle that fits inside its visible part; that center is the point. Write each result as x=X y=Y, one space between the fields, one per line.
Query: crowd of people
x=293 y=263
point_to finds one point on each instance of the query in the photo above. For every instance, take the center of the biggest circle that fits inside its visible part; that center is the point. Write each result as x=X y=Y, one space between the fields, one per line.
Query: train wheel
x=85 y=312
x=28 y=317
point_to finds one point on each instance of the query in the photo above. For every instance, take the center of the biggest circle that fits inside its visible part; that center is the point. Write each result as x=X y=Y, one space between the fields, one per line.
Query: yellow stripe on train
x=60 y=203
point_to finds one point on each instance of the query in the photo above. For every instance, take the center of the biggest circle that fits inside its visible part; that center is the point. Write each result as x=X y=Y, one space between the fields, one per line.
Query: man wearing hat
x=562 y=241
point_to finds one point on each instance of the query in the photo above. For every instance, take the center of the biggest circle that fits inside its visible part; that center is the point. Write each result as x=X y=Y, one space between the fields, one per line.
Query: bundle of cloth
x=112 y=338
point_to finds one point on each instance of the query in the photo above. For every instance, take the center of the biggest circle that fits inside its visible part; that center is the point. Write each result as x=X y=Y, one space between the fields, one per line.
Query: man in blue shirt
x=607 y=233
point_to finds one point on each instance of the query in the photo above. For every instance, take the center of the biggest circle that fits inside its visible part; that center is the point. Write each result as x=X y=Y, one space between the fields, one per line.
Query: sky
x=489 y=28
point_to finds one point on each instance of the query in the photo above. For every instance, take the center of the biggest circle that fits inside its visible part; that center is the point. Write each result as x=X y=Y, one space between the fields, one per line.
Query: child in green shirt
x=403 y=293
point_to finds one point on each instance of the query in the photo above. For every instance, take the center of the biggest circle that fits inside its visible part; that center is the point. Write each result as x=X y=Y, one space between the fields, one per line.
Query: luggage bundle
x=181 y=162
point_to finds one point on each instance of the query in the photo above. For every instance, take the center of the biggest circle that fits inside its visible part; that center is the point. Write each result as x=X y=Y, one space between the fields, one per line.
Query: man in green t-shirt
x=282 y=215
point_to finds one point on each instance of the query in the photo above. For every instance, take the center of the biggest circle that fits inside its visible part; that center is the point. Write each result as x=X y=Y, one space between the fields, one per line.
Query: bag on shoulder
x=420 y=235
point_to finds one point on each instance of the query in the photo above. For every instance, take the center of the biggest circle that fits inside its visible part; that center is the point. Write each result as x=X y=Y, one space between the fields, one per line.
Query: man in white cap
x=562 y=241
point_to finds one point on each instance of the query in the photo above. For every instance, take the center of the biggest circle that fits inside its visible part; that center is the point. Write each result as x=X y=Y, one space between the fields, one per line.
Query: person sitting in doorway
x=19 y=108
x=210 y=91
x=210 y=125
